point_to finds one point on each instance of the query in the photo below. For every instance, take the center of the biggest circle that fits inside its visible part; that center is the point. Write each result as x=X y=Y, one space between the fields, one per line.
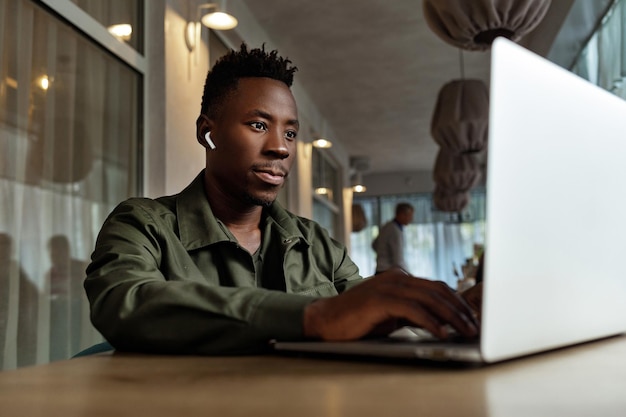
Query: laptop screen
x=556 y=227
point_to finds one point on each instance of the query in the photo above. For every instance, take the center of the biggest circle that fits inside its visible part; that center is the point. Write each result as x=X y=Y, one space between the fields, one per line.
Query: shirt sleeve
x=136 y=308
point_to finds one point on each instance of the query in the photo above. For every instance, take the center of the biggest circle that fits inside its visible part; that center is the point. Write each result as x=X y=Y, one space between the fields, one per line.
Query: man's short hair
x=403 y=208
x=222 y=79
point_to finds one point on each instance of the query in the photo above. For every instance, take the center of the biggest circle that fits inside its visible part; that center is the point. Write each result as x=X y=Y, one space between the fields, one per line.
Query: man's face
x=255 y=137
x=407 y=217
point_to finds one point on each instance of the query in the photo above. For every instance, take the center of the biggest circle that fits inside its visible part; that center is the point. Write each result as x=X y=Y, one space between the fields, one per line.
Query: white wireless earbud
x=207 y=137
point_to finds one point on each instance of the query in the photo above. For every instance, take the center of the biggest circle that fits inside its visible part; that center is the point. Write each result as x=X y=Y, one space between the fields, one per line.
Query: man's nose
x=277 y=144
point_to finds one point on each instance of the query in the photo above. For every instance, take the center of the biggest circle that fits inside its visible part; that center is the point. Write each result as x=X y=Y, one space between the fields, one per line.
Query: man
x=389 y=244
x=222 y=268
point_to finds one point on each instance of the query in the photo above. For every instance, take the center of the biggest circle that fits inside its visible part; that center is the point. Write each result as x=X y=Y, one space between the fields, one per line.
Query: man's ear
x=203 y=125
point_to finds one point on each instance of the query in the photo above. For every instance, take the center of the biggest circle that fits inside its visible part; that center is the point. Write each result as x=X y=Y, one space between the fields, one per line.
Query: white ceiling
x=374 y=68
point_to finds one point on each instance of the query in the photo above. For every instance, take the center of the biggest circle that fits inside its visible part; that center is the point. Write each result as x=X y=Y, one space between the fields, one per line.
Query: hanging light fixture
x=461 y=116
x=450 y=201
x=473 y=25
x=456 y=172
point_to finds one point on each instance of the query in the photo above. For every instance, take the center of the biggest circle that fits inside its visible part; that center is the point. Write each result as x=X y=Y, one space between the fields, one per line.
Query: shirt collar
x=198 y=227
x=400 y=225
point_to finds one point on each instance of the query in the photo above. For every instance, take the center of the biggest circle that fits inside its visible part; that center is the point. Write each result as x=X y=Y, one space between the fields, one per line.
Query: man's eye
x=291 y=134
x=258 y=125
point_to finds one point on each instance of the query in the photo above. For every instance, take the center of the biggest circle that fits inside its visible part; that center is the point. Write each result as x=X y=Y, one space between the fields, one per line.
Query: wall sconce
x=322 y=143
x=215 y=18
x=191 y=36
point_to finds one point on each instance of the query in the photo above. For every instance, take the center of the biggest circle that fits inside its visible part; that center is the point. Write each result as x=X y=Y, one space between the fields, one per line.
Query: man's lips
x=270 y=176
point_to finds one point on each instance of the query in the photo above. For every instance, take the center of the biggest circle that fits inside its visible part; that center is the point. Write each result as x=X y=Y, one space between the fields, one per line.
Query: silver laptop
x=555 y=264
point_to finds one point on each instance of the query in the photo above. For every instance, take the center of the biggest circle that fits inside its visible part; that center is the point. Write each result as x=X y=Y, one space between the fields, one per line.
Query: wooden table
x=588 y=380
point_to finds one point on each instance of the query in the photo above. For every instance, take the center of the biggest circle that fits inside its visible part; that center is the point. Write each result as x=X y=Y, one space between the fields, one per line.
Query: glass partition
x=123 y=18
x=326 y=192
x=70 y=125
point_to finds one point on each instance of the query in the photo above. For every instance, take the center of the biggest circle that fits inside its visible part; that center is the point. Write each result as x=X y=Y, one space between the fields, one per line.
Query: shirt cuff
x=282 y=315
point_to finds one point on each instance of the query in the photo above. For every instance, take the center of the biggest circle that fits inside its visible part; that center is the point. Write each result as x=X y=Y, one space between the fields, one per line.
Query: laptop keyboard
x=417 y=334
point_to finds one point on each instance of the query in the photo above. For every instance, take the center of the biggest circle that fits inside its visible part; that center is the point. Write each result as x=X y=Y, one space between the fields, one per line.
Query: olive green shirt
x=167 y=276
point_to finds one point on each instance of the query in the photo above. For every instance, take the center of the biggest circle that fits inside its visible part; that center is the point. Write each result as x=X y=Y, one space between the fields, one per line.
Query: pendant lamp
x=449 y=200
x=474 y=24
x=456 y=172
x=461 y=116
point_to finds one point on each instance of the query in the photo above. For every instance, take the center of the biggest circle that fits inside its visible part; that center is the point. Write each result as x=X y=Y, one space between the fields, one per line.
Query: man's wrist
x=311 y=319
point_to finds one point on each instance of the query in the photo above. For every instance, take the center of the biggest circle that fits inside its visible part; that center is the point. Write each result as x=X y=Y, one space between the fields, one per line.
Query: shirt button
x=287 y=241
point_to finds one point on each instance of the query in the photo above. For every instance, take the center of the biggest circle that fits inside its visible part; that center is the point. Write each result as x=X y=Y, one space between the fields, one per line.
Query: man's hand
x=474 y=297
x=390 y=296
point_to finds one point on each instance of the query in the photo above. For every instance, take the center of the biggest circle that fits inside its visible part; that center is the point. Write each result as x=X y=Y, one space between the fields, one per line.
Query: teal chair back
x=92 y=350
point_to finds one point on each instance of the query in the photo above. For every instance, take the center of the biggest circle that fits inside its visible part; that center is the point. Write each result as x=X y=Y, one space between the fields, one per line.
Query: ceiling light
x=358 y=164
x=357 y=183
x=121 y=31
x=322 y=143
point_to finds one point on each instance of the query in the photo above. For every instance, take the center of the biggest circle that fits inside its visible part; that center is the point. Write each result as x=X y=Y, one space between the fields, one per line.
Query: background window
x=603 y=60
x=437 y=243
x=123 y=18
x=326 y=192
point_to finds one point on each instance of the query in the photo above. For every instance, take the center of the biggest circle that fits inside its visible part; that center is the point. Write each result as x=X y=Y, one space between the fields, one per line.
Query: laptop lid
x=555 y=231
